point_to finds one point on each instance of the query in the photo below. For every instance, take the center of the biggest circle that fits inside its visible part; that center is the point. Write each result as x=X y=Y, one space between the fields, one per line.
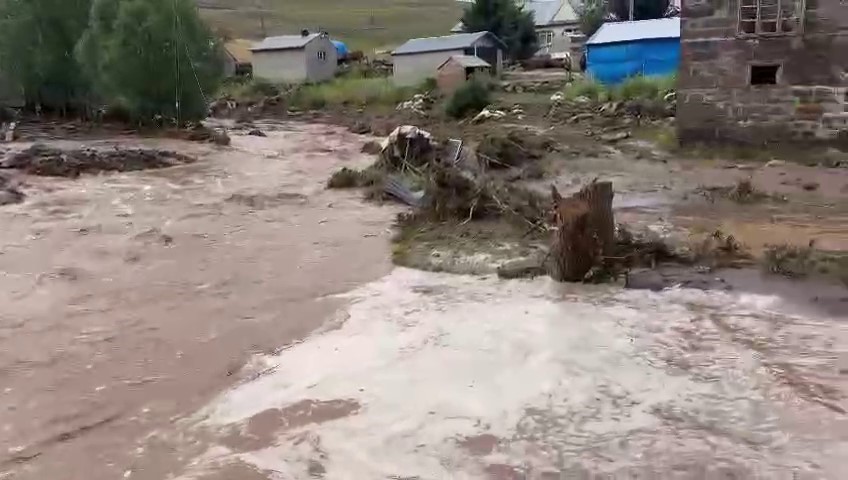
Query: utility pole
x=632 y=8
x=261 y=10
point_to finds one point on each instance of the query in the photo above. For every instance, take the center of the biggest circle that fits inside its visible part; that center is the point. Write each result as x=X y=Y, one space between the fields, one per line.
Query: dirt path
x=131 y=299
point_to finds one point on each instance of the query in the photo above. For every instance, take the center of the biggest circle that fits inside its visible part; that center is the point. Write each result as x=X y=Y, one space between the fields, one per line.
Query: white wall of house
x=315 y=62
x=559 y=38
x=412 y=69
x=321 y=60
x=280 y=66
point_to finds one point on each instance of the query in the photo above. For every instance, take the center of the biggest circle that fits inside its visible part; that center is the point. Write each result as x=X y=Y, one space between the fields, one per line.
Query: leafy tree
x=37 y=40
x=591 y=15
x=154 y=58
x=508 y=21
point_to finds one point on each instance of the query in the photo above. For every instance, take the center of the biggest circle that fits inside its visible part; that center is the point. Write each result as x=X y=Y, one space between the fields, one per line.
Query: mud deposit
x=48 y=161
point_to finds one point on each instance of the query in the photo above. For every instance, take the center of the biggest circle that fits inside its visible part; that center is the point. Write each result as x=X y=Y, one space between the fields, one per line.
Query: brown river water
x=232 y=319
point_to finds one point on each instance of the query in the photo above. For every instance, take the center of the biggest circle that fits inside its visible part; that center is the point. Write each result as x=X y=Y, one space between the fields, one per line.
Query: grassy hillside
x=363 y=24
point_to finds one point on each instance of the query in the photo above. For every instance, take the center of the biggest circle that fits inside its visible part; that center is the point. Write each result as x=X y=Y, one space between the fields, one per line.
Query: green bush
x=645 y=88
x=248 y=89
x=350 y=91
x=471 y=97
x=587 y=88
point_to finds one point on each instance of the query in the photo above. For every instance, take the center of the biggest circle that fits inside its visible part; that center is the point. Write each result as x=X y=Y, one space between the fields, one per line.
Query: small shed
x=419 y=58
x=238 y=59
x=308 y=57
x=619 y=50
x=458 y=69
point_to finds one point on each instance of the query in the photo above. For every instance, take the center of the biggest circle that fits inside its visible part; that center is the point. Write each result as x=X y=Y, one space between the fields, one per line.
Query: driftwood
x=585 y=235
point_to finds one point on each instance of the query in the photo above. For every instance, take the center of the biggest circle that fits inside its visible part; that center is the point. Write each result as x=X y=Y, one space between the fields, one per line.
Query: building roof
x=438 y=44
x=545 y=13
x=615 y=32
x=239 y=49
x=467 y=61
x=284 y=42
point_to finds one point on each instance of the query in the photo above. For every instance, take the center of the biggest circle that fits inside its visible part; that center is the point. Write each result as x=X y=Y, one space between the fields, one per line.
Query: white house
x=419 y=58
x=308 y=57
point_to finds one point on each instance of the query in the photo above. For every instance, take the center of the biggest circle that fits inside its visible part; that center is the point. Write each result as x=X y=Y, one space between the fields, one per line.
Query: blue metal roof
x=437 y=44
x=341 y=48
x=614 y=32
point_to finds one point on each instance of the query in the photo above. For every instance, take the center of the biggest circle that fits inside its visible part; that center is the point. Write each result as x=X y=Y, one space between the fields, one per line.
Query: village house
x=308 y=57
x=238 y=58
x=419 y=58
x=557 y=25
x=760 y=71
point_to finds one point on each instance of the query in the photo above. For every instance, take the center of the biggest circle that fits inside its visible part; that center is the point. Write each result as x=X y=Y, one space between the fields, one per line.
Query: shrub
x=645 y=88
x=587 y=88
x=350 y=91
x=471 y=97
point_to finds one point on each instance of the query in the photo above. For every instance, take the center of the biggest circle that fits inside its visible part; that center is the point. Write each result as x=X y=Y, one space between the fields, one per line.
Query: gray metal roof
x=468 y=61
x=284 y=42
x=614 y=32
x=544 y=12
x=437 y=44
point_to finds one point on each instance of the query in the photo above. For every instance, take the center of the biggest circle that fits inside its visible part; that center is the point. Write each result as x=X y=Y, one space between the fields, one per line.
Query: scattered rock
x=9 y=192
x=522 y=268
x=257 y=133
x=810 y=186
x=373 y=147
x=419 y=104
x=487 y=114
x=360 y=128
x=615 y=136
x=775 y=163
x=661 y=279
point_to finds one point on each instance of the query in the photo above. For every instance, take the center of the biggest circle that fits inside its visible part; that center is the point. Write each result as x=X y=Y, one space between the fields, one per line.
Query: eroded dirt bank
x=131 y=298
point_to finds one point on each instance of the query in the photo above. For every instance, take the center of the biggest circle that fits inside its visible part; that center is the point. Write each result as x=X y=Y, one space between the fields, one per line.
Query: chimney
x=304 y=33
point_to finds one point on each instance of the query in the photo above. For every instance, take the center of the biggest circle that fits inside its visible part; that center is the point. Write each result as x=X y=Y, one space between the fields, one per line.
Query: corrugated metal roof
x=437 y=44
x=545 y=12
x=284 y=42
x=468 y=61
x=614 y=32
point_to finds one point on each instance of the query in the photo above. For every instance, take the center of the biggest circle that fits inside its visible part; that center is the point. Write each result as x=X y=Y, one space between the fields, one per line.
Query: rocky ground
x=216 y=312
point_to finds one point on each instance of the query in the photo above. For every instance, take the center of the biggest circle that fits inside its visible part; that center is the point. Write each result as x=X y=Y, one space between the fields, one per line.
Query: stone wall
x=716 y=100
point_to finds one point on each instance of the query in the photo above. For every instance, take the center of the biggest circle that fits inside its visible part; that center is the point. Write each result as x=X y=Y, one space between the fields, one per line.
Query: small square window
x=322 y=55
x=764 y=74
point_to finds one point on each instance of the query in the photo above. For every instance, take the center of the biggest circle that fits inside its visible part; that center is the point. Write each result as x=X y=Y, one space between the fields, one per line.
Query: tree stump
x=585 y=236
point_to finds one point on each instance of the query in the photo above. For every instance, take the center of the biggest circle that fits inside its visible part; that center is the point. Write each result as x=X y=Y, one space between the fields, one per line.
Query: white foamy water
x=560 y=380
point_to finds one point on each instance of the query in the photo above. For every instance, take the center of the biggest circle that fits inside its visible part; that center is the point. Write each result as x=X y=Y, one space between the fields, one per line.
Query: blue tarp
x=341 y=48
x=612 y=63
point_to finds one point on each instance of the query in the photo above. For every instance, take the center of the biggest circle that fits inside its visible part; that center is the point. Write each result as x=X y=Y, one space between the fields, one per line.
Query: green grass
x=363 y=24
x=347 y=91
x=634 y=88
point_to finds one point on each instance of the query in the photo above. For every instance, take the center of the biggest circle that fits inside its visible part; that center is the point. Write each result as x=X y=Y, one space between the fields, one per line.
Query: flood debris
x=512 y=150
x=10 y=192
x=743 y=191
x=45 y=160
x=800 y=262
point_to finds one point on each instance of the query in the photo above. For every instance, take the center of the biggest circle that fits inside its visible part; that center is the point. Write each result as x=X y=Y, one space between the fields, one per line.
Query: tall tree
x=155 y=58
x=591 y=15
x=508 y=21
x=37 y=40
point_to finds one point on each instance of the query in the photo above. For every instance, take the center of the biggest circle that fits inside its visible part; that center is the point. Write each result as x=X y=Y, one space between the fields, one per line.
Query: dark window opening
x=764 y=74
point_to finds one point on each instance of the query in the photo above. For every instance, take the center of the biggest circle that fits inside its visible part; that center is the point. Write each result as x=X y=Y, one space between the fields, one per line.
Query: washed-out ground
x=231 y=318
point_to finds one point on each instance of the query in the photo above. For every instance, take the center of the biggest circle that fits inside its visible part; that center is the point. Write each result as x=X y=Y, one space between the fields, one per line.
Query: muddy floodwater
x=233 y=319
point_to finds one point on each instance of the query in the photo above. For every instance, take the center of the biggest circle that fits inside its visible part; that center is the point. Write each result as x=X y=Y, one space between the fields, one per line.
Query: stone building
x=763 y=71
